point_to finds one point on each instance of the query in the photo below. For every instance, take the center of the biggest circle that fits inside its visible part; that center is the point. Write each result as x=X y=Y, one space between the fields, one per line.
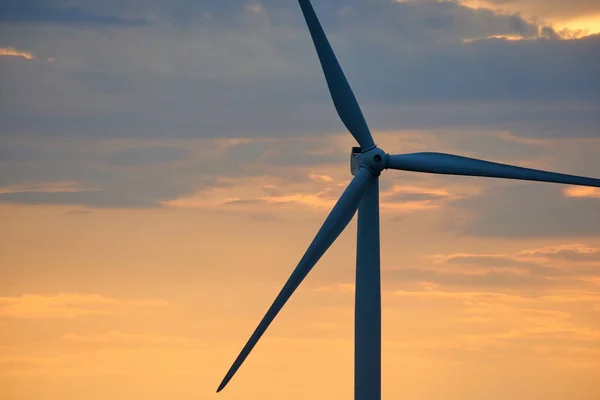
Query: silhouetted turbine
x=362 y=194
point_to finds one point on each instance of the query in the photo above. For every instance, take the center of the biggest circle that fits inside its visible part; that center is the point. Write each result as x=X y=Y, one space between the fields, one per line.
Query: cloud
x=499 y=326
x=253 y=7
x=489 y=279
x=549 y=9
x=565 y=334
x=102 y=174
x=582 y=192
x=529 y=210
x=244 y=74
x=59 y=12
x=537 y=270
x=12 y=52
x=91 y=198
x=258 y=192
x=320 y=178
x=134 y=173
x=144 y=155
x=569 y=252
x=501 y=275
x=483 y=298
x=404 y=193
x=315 y=193
x=242 y=172
x=146 y=113
x=69 y=305
x=493 y=261
x=44 y=187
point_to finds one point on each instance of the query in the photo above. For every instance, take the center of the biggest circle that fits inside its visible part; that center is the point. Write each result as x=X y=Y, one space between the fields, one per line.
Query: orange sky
x=156 y=303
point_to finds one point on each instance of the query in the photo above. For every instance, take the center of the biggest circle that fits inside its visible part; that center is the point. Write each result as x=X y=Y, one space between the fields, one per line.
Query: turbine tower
x=362 y=194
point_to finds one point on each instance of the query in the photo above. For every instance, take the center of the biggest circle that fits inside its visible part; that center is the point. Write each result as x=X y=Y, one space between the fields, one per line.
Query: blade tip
x=222 y=385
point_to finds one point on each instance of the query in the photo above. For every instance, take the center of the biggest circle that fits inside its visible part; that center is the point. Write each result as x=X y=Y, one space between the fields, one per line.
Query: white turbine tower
x=362 y=194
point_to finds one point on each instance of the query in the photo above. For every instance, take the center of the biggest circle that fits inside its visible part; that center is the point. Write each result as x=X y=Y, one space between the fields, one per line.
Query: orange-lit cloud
x=318 y=192
x=253 y=7
x=569 y=252
x=12 y=52
x=503 y=37
x=580 y=191
x=320 y=178
x=581 y=26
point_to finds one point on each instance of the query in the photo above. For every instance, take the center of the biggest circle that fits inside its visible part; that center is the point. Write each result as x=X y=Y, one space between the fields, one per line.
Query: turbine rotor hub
x=373 y=159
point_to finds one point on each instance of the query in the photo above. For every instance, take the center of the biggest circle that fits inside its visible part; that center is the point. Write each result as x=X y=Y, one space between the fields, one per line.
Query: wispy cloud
x=312 y=192
x=582 y=192
x=568 y=252
x=320 y=178
x=12 y=52
x=253 y=7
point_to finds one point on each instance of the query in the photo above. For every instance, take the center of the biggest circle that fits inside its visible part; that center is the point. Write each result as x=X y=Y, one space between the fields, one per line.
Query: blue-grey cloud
x=123 y=175
x=237 y=73
x=92 y=198
x=216 y=69
x=60 y=12
x=530 y=210
x=142 y=155
x=107 y=176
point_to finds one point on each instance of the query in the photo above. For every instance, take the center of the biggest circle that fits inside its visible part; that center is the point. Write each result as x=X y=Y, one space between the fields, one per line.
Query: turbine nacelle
x=374 y=159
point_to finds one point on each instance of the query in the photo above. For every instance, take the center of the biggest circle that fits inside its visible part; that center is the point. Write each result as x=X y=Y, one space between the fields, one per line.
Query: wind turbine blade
x=343 y=98
x=440 y=163
x=338 y=219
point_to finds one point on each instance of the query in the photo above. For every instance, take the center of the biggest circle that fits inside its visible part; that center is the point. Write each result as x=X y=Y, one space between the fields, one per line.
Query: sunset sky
x=165 y=164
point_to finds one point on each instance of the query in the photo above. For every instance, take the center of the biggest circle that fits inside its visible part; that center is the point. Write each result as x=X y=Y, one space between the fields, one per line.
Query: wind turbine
x=362 y=194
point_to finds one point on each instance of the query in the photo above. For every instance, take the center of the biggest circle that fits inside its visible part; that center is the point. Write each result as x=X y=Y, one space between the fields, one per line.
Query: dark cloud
x=256 y=74
x=143 y=175
x=304 y=154
x=529 y=119
x=215 y=69
x=60 y=12
x=138 y=156
x=119 y=175
x=92 y=198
